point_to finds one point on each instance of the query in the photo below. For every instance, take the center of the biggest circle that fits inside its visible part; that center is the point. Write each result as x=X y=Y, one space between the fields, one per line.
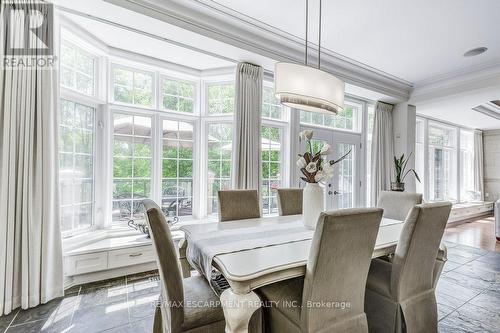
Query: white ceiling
x=419 y=40
x=412 y=40
x=186 y=48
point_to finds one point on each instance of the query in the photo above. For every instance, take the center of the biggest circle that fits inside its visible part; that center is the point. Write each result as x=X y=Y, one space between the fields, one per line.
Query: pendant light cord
x=319 y=37
x=307 y=21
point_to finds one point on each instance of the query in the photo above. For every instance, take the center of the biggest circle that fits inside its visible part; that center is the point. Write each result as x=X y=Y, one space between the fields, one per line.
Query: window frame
x=196 y=94
x=196 y=161
x=97 y=66
x=206 y=122
x=206 y=102
x=73 y=232
x=111 y=85
x=427 y=122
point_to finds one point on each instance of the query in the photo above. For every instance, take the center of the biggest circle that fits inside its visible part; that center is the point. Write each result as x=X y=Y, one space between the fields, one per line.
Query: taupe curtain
x=478 y=164
x=31 y=269
x=382 y=155
x=246 y=147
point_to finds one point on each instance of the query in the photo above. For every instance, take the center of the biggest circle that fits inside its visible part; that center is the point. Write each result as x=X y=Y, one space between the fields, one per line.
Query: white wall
x=491 y=165
x=404 y=121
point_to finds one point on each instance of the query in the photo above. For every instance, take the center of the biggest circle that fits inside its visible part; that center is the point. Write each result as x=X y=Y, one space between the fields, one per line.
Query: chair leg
x=185 y=267
x=157 y=323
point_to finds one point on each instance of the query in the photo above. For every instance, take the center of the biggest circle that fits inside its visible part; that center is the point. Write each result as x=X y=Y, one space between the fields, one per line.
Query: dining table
x=256 y=252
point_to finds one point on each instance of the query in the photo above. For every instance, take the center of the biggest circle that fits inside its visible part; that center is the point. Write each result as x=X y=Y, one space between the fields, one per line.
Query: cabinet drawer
x=131 y=256
x=85 y=263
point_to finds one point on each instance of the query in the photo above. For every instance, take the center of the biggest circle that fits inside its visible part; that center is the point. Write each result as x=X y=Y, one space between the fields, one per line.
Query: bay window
x=162 y=136
x=419 y=154
x=221 y=98
x=132 y=165
x=348 y=119
x=448 y=171
x=467 y=190
x=177 y=95
x=177 y=168
x=219 y=152
x=271 y=141
x=271 y=107
x=442 y=163
x=76 y=166
x=132 y=86
x=369 y=140
x=77 y=69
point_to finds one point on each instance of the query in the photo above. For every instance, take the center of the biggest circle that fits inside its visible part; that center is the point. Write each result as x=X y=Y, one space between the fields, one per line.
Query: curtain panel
x=479 y=164
x=31 y=268
x=247 y=146
x=382 y=151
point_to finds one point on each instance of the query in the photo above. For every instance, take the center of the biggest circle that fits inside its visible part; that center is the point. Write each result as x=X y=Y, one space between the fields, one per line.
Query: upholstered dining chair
x=339 y=258
x=238 y=205
x=289 y=201
x=400 y=294
x=171 y=315
x=397 y=205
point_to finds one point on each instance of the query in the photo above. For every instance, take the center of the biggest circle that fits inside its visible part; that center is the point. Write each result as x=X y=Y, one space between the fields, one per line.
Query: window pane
x=271 y=107
x=221 y=98
x=419 y=154
x=76 y=169
x=442 y=162
x=371 y=118
x=467 y=189
x=346 y=119
x=132 y=164
x=133 y=87
x=177 y=168
x=178 y=95
x=271 y=138
x=219 y=162
x=77 y=69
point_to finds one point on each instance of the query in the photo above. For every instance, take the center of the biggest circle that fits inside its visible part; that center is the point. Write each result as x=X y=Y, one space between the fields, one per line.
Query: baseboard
x=469 y=218
x=75 y=280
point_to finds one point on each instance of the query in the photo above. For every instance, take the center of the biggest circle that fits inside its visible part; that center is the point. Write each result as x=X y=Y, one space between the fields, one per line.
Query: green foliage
x=400 y=171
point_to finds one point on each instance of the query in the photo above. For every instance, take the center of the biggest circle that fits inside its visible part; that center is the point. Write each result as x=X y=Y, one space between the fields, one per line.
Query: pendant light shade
x=307 y=88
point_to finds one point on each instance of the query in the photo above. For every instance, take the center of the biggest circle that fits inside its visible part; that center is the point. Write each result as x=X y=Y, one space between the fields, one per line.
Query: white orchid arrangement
x=313 y=165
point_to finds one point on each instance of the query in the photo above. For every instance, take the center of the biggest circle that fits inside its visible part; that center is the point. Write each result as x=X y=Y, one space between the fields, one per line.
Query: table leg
x=238 y=309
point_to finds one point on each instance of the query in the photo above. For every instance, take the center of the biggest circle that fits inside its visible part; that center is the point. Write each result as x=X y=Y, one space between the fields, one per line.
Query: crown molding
x=489 y=110
x=225 y=25
x=472 y=78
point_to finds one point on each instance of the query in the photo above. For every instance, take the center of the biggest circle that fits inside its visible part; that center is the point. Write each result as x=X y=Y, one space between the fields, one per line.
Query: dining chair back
x=400 y=294
x=172 y=291
x=397 y=205
x=289 y=201
x=417 y=248
x=339 y=259
x=238 y=205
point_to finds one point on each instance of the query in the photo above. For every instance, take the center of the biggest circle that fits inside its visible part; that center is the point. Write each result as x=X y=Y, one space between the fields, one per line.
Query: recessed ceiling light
x=476 y=51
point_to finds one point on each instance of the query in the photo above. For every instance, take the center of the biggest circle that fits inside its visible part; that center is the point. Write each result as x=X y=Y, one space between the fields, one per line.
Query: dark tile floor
x=468 y=297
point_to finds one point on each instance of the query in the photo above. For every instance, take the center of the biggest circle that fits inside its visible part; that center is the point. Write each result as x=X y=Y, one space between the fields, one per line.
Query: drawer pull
x=135 y=255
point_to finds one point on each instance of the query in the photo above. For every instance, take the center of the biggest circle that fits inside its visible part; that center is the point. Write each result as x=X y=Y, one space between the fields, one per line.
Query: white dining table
x=247 y=268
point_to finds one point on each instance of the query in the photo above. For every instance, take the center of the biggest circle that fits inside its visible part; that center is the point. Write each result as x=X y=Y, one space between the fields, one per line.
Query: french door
x=342 y=191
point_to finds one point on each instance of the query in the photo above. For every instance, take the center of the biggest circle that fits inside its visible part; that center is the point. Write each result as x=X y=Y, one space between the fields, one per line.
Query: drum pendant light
x=308 y=88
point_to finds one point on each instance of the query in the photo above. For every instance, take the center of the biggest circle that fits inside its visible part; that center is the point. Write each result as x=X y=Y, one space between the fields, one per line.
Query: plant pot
x=312 y=204
x=397 y=187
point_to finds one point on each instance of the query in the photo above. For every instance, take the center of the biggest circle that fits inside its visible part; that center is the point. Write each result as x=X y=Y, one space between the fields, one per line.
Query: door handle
x=336 y=192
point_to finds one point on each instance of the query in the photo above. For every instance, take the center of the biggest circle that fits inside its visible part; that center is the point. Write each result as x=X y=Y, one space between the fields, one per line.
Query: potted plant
x=400 y=172
x=315 y=169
